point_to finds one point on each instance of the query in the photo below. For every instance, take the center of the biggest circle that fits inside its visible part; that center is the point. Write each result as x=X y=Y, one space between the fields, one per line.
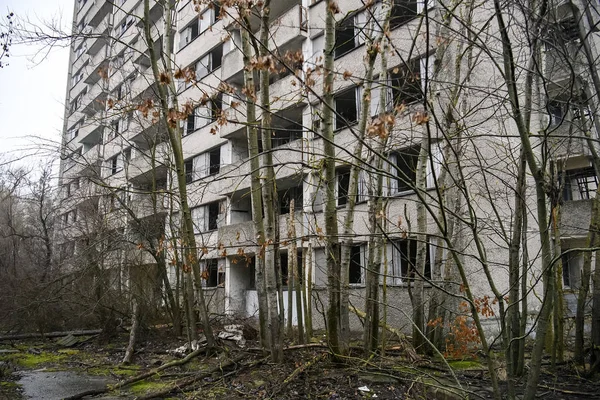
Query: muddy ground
x=307 y=373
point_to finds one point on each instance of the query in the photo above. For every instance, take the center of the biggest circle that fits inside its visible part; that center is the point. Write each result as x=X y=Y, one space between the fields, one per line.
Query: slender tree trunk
x=255 y=186
x=584 y=287
x=332 y=245
x=135 y=317
x=307 y=287
x=268 y=192
x=167 y=95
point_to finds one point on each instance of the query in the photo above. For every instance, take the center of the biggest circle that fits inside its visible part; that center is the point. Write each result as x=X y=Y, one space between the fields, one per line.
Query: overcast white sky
x=33 y=85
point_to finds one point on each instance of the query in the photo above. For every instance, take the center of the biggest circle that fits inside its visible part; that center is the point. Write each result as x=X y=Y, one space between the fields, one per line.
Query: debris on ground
x=233 y=333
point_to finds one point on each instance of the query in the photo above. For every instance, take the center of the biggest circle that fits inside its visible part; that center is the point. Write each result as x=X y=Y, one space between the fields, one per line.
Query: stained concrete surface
x=56 y=385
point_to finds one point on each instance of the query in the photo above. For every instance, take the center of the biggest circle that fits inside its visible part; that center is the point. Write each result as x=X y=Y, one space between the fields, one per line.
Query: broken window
x=580 y=184
x=346 y=108
x=284 y=262
x=357 y=263
x=203 y=115
x=215 y=276
x=203 y=165
x=572 y=263
x=404 y=259
x=206 y=217
x=403 y=11
x=285 y=198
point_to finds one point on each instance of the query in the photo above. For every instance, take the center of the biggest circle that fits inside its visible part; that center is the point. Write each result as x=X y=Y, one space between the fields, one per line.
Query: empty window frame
x=286 y=196
x=404 y=259
x=206 y=217
x=284 y=262
x=343 y=186
x=213 y=274
x=580 y=184
x=358 y=257
x=347 y=108
x=209 y=62
x=403 y=168
x=203 y=165
x=116 y=163
x=199 y=25
x=349 y=33
x=572 y=263
x=403 y=11
x=203 y=115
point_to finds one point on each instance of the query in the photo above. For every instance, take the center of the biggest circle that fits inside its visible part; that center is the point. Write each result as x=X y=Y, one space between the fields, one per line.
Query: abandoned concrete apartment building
x=108 y=141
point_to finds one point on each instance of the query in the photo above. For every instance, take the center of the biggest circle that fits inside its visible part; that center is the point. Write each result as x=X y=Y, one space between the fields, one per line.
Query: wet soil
x=306 y=373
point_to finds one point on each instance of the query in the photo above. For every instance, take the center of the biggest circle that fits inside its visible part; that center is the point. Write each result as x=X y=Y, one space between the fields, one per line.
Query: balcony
x=94 y=100
x=91 y=133
x=240 y=234
x=143 y=205
x=97 y=36
x=291 y=28
x=98 y=11
x=143 y=168
x=236 y=120
x=97 y=61
x=232 y=67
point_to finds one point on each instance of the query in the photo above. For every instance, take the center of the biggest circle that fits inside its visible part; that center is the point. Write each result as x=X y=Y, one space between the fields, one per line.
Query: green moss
x=70 y=352
x=146 y=387
x=27 y=360
x=111 y=369
x=465 y=364
x=8 y=384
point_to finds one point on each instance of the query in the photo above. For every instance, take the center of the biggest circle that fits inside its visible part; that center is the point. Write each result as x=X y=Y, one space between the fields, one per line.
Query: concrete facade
x=118 y=159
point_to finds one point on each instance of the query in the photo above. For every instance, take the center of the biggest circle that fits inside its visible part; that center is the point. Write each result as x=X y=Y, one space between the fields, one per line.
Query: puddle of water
x=43 y=385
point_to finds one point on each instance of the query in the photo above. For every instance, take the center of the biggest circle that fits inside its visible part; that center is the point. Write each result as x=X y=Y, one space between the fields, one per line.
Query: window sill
x=338 y=56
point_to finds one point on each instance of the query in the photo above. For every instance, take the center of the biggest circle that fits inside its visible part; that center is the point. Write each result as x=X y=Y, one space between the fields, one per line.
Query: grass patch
x=69 y=352
x=116 y=370
x=28 y=360
x=146 y=387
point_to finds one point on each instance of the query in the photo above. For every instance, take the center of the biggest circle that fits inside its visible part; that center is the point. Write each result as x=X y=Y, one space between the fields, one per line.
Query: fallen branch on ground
x=298 y=371
x=182 y=383
x=20 y=336
x=406 y=346
x=137 y=378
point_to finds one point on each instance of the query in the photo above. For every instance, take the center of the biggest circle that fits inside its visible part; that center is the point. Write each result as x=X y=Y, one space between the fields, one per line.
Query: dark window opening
x=283 y=136
x=217 y=106
x=214 y=276
x=213 y=215
x=405 y=168
x=560 y=33
x=190 y=123
x=189 y=170
x=406 y=83
x=408 y=259
x=346 y=110
x=216 y=57
x=285 y=198
x=345 y=38
x=214 y=161
x=284 y=263
x=343 y=184
x=355 y=269
x=114 y=165
x=565 y=270
x=580 y=184
x=402 y=12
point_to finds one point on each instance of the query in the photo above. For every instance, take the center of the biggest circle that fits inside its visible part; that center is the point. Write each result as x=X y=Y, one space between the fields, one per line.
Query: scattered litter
x=234 y=333
x=364 y=389
x=68 y=341
x=183 y=350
